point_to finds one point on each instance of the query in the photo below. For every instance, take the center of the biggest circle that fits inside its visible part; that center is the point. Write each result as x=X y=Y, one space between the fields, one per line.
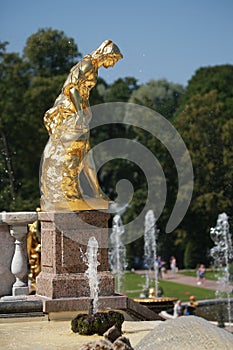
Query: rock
x=122 y=343
x=113 y=333
x=101 y=344
x=83 y=324
x=98 y=323
x=186 y=332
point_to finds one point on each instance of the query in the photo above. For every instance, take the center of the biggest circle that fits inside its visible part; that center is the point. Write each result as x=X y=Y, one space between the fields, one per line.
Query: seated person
x=190 y=308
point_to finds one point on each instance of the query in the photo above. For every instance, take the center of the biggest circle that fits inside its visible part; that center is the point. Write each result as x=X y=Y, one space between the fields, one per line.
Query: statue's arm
x=79 y=100
x=75 y=98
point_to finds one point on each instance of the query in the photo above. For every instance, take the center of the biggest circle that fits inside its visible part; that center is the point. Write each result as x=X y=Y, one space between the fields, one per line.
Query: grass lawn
x=183 y=291
x=132 y=286
x=209 y=274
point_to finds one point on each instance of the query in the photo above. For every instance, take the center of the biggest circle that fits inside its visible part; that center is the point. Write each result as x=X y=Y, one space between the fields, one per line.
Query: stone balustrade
x=13 y=252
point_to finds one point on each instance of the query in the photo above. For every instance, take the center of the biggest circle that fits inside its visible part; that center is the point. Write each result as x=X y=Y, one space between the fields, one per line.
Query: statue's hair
x=106 y=48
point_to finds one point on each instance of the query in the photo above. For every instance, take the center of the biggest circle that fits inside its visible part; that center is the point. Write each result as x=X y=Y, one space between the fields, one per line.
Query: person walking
x=201 y=274
x=173 y=265
x=159 y=267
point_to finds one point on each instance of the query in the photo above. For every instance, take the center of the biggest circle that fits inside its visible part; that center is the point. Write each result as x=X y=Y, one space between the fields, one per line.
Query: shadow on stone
x=113 y=333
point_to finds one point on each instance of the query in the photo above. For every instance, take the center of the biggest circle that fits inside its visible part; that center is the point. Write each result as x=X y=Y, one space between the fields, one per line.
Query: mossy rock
x=98 y=323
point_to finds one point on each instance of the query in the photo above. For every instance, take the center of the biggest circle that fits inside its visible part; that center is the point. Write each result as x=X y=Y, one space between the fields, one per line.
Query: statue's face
x=110 y=60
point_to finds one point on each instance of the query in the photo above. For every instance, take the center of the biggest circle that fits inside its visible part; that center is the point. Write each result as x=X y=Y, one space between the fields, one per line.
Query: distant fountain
x=117 y=252
x=222 y=252
x=90 y=259
x=155 y=301
x=150 y=253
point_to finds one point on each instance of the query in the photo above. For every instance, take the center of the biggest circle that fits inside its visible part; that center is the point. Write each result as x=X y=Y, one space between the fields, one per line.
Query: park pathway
x=189 y=280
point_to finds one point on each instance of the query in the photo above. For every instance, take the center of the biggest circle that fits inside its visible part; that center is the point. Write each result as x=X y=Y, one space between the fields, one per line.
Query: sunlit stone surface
x=186 y=332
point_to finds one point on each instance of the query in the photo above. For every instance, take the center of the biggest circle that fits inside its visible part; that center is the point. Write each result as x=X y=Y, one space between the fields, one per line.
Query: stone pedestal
x=64 y=239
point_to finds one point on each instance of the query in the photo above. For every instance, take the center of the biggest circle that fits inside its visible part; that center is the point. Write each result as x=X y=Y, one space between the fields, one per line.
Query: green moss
x=98 y=323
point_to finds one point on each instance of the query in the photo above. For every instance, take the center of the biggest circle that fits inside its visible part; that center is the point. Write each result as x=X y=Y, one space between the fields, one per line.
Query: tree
x=121 y=90
x=204 y=125
x=113 y=171
x=29 y=85
x=14 y=81
x=97 y=93
x=205 y=79
x=160 y=95
x=50 y=52
x=192 y=255
x=226 y=138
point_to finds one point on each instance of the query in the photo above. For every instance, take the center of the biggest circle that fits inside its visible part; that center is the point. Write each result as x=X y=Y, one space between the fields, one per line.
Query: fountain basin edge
x=68 y=308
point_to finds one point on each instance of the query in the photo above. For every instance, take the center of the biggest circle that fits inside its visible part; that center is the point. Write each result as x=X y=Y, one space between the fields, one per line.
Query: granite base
x=72 y=285
x=64 y=240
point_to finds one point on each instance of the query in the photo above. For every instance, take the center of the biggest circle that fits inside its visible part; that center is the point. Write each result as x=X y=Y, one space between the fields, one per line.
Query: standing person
x=159 y=266
x=201 y=274
x=173 y=264
x=163 y=269
x=177 y=311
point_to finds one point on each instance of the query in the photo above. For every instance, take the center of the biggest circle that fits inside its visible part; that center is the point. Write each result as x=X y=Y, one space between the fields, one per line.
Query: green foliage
x=14 y=82
x=120 y=90
x=160 y=95
x=189 y=255
x=227 y=154
x=204 y=121
x=50 y=52
x=97 y=93
x=206 y=79
x=117 y=169
x=29 y=85
x=231 y=272
x=200 y=126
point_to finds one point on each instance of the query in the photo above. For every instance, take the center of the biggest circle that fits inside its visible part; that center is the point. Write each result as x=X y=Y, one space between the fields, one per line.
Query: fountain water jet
x=90 y=259
x=222 y=253
x=117 y=253
x=150 y=252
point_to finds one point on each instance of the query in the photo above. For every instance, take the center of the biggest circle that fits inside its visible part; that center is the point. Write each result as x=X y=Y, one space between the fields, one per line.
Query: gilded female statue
x=67 y=122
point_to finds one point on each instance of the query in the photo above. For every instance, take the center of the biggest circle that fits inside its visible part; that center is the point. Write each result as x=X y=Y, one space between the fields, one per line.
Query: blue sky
x=159 y=38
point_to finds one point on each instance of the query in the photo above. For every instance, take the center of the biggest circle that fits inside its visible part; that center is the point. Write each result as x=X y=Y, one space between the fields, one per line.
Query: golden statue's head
x=107 y=48
x=107 y=54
